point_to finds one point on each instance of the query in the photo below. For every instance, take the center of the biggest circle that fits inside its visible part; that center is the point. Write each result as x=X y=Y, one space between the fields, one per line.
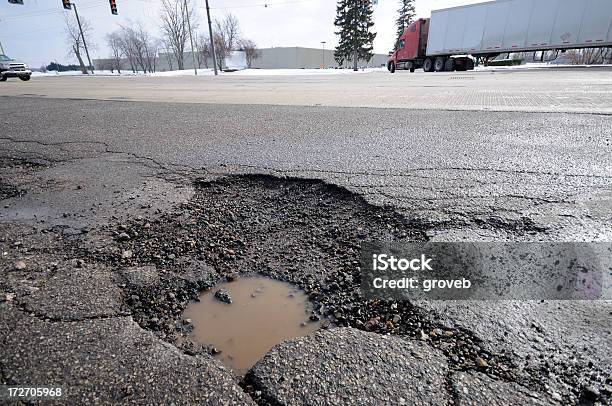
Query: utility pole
x=195 y=68
x=1 y=47
x=83 y=37
x=323 y=54
x=212 y=43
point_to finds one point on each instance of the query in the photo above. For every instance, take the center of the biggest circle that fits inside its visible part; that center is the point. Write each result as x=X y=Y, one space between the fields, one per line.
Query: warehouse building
x=269 y=58
x=307 y=58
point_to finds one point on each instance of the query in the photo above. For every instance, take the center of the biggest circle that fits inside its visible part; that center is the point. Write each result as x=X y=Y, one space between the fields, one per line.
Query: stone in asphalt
x=351 y=367
x=142 y=276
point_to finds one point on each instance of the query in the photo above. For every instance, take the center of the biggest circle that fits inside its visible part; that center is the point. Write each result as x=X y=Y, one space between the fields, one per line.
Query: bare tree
x=590 y=56
x=126 y=45
x=113 y=40
x=139 y=47
x=251 y=51
x=221 y=50
x=204 y=52
x=230 y=30
x=226 y=36
x=167 y=53
x=75 y=41
x=174 y=16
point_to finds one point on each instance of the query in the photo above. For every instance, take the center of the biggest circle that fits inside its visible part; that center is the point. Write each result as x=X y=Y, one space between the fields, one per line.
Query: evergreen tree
x=405 y=16
x=354 y=20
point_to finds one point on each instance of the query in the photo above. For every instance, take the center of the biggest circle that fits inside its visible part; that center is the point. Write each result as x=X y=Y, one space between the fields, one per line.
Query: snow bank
x=208 y=72
x=268 y=72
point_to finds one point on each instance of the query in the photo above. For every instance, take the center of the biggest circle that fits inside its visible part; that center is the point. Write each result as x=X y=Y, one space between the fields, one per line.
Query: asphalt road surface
x=108 y=224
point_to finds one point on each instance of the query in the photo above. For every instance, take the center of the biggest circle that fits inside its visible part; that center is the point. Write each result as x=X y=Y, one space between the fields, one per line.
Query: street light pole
x=212 y=43
x=91 y=68
x=323 y=66
x=1 y=47
x=195 y=68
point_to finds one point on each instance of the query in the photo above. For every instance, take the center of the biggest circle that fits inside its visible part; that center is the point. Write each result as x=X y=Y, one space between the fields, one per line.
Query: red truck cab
x=411 y=53
x=411 y=47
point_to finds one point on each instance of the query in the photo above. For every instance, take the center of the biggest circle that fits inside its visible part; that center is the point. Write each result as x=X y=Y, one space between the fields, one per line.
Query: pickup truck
x=10 y=68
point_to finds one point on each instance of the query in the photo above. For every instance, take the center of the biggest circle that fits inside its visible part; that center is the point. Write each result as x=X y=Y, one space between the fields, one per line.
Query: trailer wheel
x=449 y=66
x=428 y=65
x=439 y=64
x=469 y=64
x=391 y=67
x=460 y=64
x=25 y=78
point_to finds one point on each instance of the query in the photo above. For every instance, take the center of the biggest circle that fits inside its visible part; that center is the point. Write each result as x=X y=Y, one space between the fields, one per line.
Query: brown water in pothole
x=263 y=313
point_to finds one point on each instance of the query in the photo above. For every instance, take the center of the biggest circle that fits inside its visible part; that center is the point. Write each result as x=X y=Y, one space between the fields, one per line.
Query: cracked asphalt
x=81 y=308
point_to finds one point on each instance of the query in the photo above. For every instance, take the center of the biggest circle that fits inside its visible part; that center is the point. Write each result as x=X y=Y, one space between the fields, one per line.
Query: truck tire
x=25 y=78
x=439 y=64
x=460 y=64
x=469 y=64
x=449 y=66
x=428 y=65
x=2 y=78
x=391 y=67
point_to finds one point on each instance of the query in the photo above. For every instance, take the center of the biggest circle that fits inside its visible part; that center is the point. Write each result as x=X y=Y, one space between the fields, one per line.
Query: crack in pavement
x=53 y=319
x=107 y=149
x=407 y=172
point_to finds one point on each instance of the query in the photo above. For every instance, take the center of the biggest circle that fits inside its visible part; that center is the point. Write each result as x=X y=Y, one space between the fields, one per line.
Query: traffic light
x=113 y=4
x=16 y=2
x=67 y=5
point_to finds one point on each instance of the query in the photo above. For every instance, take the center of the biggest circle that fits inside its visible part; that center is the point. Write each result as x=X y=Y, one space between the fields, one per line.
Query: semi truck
x=452 y=38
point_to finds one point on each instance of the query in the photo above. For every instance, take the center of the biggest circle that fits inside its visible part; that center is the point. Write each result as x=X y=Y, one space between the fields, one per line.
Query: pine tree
x=354 y=20
x=405 y=16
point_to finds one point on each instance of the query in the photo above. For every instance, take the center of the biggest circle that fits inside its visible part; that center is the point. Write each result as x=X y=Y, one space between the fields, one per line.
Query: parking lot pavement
x=586 y=90
x=75 y=173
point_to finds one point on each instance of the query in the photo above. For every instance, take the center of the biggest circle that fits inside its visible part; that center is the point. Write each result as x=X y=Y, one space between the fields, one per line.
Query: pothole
x=256 y=314
x=300 y=231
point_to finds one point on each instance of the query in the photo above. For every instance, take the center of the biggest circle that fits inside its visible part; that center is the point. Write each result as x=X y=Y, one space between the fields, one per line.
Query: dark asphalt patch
x=301 y=231
x=8 y=191
x=9 y=168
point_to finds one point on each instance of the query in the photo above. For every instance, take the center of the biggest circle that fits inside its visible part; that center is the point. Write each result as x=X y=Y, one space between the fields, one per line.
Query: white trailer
x=520 y=25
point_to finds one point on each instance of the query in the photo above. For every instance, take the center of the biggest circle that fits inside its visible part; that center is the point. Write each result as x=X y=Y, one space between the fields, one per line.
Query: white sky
x=34 y=32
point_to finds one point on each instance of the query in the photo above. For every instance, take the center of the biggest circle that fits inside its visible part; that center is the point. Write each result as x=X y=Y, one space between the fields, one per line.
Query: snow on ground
x=208 y=72
x=537 y=65
x=268 y=72
x=78 y=73
x=295 y=72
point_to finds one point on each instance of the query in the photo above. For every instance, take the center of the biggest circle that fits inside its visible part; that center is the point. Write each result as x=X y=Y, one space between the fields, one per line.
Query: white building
x=269 y=58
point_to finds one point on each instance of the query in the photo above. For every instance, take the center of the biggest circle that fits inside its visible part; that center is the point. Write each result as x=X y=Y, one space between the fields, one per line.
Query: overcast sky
x=34 y=32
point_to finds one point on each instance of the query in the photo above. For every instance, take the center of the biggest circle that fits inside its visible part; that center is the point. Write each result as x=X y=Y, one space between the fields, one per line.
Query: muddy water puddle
x=263 y=312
